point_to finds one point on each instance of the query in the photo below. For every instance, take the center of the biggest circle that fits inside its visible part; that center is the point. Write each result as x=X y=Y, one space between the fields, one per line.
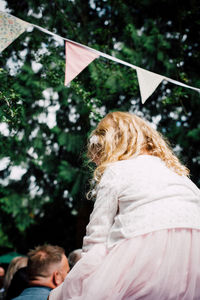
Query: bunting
x=77 y=59
x=10 y=28
x=79 y=56
x=148 y=82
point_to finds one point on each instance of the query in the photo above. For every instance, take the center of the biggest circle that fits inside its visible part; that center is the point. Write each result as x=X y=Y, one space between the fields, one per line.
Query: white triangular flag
x=148 y=82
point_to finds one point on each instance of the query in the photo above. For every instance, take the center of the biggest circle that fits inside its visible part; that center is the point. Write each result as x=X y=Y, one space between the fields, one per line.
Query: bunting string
x=78 y=56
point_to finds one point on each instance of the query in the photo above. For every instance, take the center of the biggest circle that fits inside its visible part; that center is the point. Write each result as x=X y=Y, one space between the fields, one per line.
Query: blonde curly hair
x=122 y=135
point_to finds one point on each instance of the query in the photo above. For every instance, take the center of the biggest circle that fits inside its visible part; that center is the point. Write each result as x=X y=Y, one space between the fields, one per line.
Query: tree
x=162 y=36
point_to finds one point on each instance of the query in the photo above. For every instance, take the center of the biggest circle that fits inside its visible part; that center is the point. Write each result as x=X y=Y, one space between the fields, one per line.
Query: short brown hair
x=41 y=258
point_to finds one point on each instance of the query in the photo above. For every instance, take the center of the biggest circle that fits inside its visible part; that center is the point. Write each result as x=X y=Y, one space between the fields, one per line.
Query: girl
x=143 y=238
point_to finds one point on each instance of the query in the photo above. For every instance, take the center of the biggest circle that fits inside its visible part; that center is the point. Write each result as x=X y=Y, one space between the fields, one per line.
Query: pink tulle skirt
x=162 y=265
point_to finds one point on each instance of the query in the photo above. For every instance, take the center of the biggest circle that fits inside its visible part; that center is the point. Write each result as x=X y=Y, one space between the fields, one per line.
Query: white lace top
x=138 y=196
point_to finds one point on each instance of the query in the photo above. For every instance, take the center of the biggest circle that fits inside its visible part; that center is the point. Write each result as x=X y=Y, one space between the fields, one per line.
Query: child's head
x=122 y=135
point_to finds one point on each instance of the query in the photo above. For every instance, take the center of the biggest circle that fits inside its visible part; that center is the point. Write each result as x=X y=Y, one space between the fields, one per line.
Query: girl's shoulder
x=140 y=161
x=142 y=167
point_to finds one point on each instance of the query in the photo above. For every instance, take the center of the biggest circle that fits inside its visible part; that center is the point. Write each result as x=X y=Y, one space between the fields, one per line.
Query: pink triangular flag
x=77 y=59
x=148 y=82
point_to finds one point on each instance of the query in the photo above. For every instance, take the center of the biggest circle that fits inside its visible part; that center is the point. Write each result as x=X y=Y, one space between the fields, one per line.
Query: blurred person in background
x=2 y=273
x=73 y=257
x=47 y=268
x=15 y=264
x=18 y=283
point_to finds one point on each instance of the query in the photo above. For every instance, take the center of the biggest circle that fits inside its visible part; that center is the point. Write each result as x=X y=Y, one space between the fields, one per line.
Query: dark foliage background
x=47 y=203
